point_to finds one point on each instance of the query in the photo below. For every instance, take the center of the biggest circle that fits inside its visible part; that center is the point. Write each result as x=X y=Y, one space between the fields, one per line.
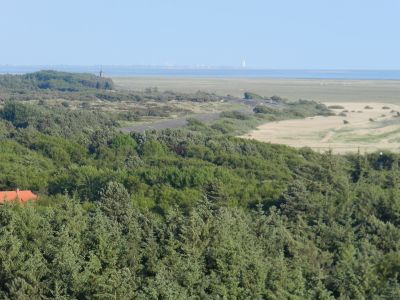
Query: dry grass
x=324 y=133
x=386 y=91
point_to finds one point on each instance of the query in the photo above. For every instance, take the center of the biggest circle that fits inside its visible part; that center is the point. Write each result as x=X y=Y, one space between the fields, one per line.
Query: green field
x=319 y=90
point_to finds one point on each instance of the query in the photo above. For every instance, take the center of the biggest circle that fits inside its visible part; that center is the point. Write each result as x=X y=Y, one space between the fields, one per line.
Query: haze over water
x=121 y=71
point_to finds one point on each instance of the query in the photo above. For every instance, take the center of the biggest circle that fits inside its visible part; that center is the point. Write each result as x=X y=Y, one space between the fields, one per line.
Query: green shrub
x=336 y=107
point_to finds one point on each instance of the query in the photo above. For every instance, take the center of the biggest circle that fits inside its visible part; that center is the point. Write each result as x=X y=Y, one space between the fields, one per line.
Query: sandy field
x=371 y=127
x=329 y=90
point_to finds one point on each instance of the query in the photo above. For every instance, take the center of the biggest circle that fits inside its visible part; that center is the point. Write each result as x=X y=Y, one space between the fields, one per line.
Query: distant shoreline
x=189 y=72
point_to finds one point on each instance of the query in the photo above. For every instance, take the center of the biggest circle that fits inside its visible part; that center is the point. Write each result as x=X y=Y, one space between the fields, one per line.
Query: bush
x=250 y=96
x=235 y=115
x=54 y=80
x=222 y=127
x=336 y=107
x=276 y=98
x=262 y=109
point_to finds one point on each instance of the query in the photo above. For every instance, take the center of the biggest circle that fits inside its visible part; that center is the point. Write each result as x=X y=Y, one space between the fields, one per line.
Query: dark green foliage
x=251 y=96
x=254 y=96
x=191 y=214
x=23 y=168
x=178 y=214
x=54 y=121
x=235 y=115
x=296 y=109
x=19 y=115
x=53 y=80
x=263 y=109
x=158 y=96
x=336 y=107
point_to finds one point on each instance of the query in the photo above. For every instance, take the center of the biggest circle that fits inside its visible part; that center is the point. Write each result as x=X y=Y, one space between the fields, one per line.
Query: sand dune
x=368 y=129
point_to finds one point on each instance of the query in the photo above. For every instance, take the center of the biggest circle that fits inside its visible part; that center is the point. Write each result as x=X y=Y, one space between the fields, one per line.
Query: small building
x=17 y=195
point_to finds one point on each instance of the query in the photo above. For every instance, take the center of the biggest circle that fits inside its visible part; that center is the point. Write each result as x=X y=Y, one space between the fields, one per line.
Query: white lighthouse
x=244 y=63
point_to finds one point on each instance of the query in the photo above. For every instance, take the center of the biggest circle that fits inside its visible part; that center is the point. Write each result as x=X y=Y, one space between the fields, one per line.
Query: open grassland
x=387 y=91
x=363 y=121
x=358 y=126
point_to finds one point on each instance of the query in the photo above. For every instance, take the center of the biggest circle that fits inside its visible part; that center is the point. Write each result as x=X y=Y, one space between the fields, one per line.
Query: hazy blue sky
x=311 y=34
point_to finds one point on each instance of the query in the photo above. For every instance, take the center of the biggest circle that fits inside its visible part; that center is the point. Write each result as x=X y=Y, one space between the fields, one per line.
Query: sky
x=279 y=34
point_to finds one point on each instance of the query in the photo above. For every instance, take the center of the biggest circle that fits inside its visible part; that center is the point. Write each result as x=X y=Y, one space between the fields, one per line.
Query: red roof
x=21 y=196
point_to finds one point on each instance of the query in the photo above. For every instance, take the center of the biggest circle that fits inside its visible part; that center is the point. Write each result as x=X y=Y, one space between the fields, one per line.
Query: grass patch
x=371 y=138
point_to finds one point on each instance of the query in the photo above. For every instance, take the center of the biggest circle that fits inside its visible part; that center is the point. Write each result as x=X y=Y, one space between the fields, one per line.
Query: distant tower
x=243 y=63
x=101 y=71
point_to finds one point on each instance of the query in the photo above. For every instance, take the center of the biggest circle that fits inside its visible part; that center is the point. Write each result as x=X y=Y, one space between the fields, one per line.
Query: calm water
x=115 y=71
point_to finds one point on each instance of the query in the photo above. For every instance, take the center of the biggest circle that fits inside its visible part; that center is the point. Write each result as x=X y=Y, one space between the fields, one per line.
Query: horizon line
x=192 y=67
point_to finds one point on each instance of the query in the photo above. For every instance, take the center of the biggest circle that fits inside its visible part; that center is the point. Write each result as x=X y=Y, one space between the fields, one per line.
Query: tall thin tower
x=244 y=63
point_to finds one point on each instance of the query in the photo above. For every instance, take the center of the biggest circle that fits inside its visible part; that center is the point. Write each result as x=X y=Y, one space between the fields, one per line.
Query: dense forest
x=191 y=213
x=53 y=80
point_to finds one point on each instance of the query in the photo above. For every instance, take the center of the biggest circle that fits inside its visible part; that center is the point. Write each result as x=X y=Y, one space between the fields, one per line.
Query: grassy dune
x=366 y=130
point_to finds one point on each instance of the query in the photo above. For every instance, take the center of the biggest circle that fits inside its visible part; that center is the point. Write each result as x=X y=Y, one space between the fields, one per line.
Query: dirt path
x=328 y=136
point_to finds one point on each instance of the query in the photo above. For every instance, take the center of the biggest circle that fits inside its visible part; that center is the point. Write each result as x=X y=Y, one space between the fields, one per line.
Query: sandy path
x=330 y=134
x=327 y=137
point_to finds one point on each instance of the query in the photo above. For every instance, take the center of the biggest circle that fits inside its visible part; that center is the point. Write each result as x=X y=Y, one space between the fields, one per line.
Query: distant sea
x=138 y=71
